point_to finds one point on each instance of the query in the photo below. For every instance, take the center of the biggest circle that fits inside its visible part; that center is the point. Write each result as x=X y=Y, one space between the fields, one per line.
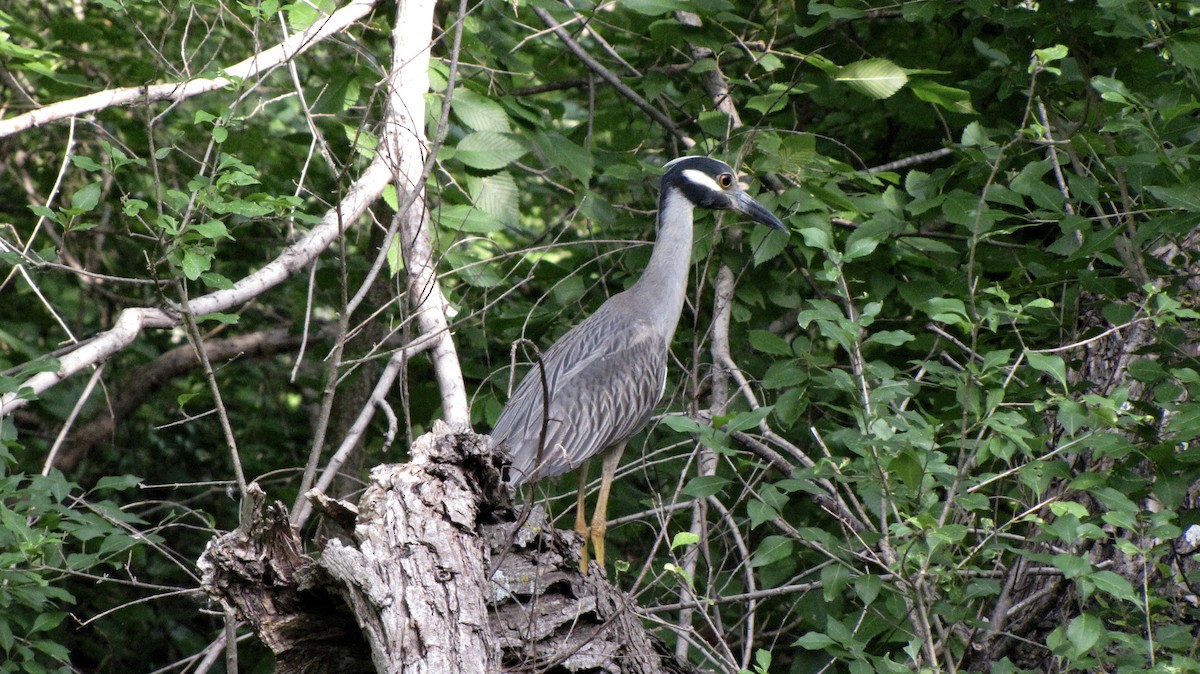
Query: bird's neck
x=663 y=284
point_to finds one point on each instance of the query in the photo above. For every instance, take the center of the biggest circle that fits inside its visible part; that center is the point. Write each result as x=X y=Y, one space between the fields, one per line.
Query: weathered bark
x=261 y=571
x=413 y=569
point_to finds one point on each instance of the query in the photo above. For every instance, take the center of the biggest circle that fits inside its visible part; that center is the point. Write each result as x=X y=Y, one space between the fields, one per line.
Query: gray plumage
x=606 y=375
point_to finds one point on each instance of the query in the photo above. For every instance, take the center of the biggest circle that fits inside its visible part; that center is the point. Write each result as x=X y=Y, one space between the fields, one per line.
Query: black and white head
x=712 y=184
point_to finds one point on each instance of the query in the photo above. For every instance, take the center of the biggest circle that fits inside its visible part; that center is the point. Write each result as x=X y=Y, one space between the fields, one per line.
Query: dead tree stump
x=431 y=574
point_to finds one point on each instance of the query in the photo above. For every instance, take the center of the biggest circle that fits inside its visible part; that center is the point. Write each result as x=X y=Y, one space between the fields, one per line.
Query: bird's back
x=604 y=378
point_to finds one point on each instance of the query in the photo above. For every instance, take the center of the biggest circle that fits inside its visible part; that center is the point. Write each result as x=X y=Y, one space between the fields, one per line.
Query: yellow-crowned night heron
x=605 y=375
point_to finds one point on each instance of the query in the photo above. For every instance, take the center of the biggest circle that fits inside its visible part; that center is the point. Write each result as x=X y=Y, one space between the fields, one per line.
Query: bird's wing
x=604 y=377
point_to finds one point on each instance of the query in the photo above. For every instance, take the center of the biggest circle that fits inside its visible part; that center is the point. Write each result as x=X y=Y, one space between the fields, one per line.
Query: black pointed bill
x=745 y=204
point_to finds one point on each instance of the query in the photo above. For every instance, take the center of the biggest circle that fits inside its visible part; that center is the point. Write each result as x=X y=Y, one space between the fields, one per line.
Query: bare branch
x=132 y=321
x=403 y=145
x=178 y=91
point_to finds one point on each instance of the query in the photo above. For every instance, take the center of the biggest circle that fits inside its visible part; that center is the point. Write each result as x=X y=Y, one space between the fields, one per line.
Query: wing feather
x=604 y=378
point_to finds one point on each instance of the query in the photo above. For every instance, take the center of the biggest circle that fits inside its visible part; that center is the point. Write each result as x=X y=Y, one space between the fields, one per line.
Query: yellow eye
x=725 y=180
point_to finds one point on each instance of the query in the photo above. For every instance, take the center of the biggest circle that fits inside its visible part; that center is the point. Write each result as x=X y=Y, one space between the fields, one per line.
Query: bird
x=604 y=377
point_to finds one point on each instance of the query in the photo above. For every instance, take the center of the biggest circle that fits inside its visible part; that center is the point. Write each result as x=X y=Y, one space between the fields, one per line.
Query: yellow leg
x=608 y=471
x=581 y=517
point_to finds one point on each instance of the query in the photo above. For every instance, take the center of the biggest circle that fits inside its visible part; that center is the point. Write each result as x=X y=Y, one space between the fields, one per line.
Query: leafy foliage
x=961 y=421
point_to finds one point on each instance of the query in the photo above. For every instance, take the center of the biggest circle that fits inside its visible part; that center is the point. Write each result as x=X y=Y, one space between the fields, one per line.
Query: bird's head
x=709 y=183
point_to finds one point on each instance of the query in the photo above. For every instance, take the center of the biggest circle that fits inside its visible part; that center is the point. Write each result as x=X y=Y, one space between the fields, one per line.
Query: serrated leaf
x=877 y=78
x=467 y=219
x=564 y=153
x=1184 y=423
x=1177 y=197
x=488 y=150
x=815 y=237
x=496 y=195
x=479 y=112
x=47 y=620
x=767 y=244
x=861 y=247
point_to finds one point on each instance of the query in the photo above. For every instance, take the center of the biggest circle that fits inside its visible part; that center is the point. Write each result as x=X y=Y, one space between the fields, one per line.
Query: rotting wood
x=408 y=582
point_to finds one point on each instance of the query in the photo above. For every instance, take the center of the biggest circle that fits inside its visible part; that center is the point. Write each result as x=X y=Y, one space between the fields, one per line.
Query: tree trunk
x=412 y=570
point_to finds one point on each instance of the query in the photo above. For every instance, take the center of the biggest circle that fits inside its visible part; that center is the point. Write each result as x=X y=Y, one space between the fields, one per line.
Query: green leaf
x=47 y=621
x=85 y=198
x=479 y=112
x=117 y=482
x=760 y=512
x=704 y=485
x=1184 y=424
x=1050 y=364
x=213 y=229
x=818 y=238
x=867 y=588
x=769 y=342
x=947 y=98
x=1060 y=508
x=682 y=424
x=767 y=244
x=564 y=153
x=771 y=550
x=85 y=163
x=218 y=317
x=466 y=219
x=877 y=78
x=216 y=281
x=834 y=579
x=744 y=421
x=1114 y=585
x=1084 y=632
x=889 y=338
x=684 y=538
x=1072 y=566
x=860 y=247
x=497 y=195
x=652 y=7
x=488 y=150
x=194 y=264
x=814 y=641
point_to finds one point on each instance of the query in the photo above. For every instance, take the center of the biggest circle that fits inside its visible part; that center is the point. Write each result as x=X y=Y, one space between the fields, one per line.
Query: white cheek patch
x=703 y=179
